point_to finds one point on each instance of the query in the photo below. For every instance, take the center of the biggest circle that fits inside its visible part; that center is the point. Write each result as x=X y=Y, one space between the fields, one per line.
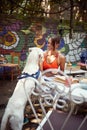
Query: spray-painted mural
x=9 y=38
x=19 y=37
x=74 y=47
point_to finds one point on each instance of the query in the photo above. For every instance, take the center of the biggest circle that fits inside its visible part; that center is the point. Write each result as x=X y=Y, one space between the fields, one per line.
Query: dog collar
x=26 y=75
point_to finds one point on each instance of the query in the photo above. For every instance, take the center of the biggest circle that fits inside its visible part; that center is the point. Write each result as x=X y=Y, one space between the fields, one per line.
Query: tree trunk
x=71 y=19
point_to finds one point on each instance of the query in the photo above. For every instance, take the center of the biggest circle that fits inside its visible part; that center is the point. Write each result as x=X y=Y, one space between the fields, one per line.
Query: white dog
x=14 y=112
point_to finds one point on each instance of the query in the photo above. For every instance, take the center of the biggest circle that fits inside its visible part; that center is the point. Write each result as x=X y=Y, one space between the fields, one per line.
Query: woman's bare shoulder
x=61 y=55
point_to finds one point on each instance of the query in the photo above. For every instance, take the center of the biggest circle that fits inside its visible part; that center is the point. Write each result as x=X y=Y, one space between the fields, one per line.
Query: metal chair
x=12 y=69
x=58 y=118
x=15 y=69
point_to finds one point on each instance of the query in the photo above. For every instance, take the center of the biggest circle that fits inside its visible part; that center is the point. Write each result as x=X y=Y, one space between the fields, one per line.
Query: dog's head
x=34 y=60
x=37 y=52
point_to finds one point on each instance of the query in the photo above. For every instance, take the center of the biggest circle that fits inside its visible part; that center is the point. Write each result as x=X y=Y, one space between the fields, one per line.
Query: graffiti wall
x=19 y=36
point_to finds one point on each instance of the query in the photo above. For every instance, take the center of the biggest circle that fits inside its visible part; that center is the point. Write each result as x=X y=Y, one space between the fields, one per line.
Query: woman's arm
x=62 y=59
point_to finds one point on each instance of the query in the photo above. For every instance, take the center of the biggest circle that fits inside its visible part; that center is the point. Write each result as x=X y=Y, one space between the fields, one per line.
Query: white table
x=78 y=91
x=74 y=71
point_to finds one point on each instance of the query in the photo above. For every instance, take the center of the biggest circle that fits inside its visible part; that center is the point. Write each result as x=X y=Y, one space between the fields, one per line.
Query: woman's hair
x=57 y=40
x=54 y=41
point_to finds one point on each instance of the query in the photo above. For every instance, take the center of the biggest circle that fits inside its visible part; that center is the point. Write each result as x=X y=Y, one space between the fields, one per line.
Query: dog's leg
x=4 y=121
x=16 y=122
x=12 y=122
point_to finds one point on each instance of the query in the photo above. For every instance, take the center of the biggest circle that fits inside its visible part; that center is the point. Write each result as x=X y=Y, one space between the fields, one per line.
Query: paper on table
x=62 y=79
x=84 y=80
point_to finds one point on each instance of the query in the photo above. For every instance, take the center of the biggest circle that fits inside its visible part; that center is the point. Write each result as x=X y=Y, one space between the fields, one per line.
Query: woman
x=52 y=57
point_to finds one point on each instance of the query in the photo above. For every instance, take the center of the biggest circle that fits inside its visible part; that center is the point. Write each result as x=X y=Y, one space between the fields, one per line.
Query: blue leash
x=26 y=75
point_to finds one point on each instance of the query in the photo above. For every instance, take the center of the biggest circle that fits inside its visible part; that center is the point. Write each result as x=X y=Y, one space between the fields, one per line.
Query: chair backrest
x=65 y=100
x=15 y=55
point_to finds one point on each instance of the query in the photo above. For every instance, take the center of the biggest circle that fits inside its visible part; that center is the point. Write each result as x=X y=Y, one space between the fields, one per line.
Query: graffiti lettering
x=14 y=27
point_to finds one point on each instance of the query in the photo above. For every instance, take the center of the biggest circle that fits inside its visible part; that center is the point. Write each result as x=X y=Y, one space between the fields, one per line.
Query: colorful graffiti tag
x=18 y=37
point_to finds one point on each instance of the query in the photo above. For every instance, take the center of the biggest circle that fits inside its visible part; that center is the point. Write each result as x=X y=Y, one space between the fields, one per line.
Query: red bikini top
x=47 y=65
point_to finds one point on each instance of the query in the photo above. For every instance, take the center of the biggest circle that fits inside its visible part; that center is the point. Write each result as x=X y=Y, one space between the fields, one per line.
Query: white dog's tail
x=4 y=121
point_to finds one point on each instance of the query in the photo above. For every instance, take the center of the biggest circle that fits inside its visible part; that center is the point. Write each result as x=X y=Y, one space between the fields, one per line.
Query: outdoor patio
x=6 y=90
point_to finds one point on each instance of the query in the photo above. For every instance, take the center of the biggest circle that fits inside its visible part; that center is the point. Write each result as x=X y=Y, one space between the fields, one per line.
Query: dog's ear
x=41 y=57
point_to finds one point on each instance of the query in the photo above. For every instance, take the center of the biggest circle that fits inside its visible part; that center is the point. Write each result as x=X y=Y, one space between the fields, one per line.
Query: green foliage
x=64 y=26
x=80 y=26
x=24 y=9
x=85 y=26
